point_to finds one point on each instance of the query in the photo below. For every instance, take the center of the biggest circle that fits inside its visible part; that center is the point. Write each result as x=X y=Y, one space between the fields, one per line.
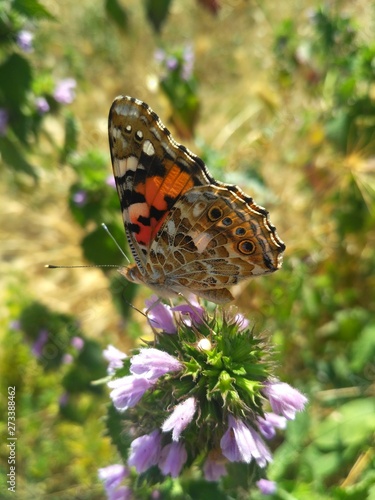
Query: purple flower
x=172 y=458
x=64 y=399
x=159 y=55
x=160 y=316
x=112 y=475
x=77 y=343
x=37 y=347
x=15 y=324
x=41 y=105
x=127 y=391
x=80 y=197
x=241 y=443
x=180 y=418
x=214 y=466
x=145 y=451
x=152 y=363
x=242 y=322
x=270 y=423
x=67 y=359
x=24 y=40
x=188 y=63
x=4 y=119
x=266 y=487
x=121 y=493
x=284 y=399
x=114 y=357
x=193 y=309
x=171 y=63
x=64 y=91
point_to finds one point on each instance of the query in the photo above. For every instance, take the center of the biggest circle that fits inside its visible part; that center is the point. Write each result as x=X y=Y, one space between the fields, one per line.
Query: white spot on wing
x=148 y=148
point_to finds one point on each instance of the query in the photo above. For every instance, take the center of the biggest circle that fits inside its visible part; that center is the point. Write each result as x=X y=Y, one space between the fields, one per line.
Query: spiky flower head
x=202 y=395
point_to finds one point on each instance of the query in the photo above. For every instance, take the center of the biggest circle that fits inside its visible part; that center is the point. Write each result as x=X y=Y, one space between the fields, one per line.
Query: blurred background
x=277 y=98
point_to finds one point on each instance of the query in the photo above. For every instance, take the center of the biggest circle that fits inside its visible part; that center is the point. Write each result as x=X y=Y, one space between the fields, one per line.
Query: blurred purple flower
x=188 y=63
x=266 y=487
x=121 y=493
x=214 y=467
x=37 y=347
x=65 y=91
x=153 y=363
x=242 y=322
x=160 y=315
x=110 y=181
x=80 y=197
x=171 y=63
x=241 y=443
x=145 y=451
x=172 y=458
x=25 y=40
x=77 y=343
x=270 y=423
x=15 y=324
x=127 y=391
x=4 y=119
x=180 y=418
x=112 y=475
x=284 y=399
x=42 y=105
x=114 y=357
x=159 y=55
x=67 y=359
x=64 y=398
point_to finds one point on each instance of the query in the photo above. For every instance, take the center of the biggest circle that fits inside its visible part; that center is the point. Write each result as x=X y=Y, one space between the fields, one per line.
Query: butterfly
x=187 y=232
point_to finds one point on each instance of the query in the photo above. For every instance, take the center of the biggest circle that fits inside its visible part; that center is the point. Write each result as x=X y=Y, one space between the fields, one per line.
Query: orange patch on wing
x=175 y=183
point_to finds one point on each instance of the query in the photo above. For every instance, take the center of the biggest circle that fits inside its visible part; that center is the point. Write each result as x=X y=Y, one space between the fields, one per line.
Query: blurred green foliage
x=320 y=309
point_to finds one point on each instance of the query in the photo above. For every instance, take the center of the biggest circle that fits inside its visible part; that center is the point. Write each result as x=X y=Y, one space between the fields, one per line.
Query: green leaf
x=12 y=155
x=32 y=9
x=15 y=80
x=157 y=12
x=99 y=248
x=117 y=14
x=71 y=137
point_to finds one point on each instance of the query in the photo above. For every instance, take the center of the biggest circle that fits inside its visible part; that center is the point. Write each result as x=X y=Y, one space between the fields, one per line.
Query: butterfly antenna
x=51 y=266
x=104 y=226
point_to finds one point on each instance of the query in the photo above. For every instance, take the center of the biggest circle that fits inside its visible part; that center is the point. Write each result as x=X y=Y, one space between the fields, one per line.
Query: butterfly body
x=188 y=233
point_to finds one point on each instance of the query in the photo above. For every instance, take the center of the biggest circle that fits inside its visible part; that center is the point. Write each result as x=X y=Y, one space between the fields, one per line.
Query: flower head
x=64 y=92
x=145 y=451
x=172 y=458
x=42 y=105
x=25 y=40
x=181 y=417
x=77 y=343
x=284 y=399
x=80 y=197
x=216 y=376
